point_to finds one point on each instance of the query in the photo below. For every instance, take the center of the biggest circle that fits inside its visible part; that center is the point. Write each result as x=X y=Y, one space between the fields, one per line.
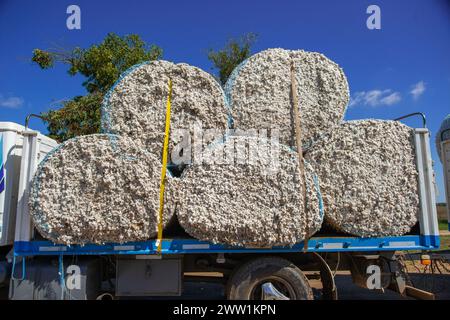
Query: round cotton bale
x=136 y=105
x=259 y=93
x=368 y=177
x=249 y=197
x=97 y=189
x=443 y=134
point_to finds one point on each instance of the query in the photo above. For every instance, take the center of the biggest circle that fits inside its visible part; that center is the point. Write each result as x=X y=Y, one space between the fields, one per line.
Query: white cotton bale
x=368 y=177
x=259 y=93
x=136 y=105
x=249 y=197
x=97 y=189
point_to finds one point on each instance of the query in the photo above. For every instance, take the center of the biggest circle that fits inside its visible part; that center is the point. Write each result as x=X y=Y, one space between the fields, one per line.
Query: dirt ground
x=434 y=278
x=439 y=284
x=437 y=267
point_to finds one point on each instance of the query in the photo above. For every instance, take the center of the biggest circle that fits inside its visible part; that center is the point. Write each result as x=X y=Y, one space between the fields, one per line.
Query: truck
x=32 y=267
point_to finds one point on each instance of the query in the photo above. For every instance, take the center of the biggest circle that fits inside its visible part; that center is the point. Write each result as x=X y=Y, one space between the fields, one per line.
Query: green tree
x=102 y=65
x=231 y=55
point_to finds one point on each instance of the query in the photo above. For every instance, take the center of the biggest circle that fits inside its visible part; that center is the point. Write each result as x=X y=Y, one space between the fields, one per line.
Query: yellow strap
x=163 y=169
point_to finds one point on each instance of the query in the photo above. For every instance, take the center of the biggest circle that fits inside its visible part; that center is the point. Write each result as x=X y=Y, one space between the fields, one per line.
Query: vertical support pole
x=28 y=167
x=428 y=214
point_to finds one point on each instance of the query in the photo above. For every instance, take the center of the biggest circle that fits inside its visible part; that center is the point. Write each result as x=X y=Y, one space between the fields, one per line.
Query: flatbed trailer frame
x=188 y=246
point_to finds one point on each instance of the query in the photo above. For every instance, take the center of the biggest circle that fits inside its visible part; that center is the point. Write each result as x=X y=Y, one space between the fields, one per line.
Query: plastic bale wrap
x=259 y=93
x=251 y=196
x=136 y=105
x=368 y=177
x=98 y=189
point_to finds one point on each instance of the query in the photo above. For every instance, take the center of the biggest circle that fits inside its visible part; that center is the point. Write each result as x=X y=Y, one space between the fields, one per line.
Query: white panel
x=126 y=248
x=332 y=245
x=18 y=172
x=52 y=249
x=398 y=244
x=11 y=153
x=149 y=257
x=195 y=246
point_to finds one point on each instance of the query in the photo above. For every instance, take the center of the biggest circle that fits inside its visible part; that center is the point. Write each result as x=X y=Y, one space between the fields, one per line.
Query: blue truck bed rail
x=187 y=246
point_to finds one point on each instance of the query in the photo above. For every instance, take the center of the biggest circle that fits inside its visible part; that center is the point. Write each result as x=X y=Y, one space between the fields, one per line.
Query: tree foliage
x=78 y=116
x=234 y=52
x=101 y=65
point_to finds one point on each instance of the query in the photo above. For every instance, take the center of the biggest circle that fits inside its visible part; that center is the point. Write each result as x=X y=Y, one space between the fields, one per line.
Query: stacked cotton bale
x=368 y=177
x=245 y=190
x=259 y=93
x=136 y=105
x=250 y=194
x=98 y=189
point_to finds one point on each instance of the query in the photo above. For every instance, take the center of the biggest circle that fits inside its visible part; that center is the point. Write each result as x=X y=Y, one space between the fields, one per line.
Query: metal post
x=428 y=214
x=27 y=169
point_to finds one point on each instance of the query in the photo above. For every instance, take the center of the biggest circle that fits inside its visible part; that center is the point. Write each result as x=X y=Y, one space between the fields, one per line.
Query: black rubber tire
x=247 y=277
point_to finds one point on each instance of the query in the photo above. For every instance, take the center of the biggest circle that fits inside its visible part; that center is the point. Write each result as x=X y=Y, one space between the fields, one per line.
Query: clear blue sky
x=411 y=51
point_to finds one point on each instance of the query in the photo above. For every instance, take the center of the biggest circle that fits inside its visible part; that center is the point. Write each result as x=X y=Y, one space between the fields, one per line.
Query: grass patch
x=445 y=243
x=443 y=225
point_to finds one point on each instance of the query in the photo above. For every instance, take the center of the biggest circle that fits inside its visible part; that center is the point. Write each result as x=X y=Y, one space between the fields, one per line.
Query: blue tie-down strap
x=319 y=195
x=2 y=178
x=61 y=275
x=13 y=271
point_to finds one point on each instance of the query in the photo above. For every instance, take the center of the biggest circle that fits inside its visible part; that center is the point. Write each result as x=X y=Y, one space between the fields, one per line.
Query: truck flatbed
x=186 y=246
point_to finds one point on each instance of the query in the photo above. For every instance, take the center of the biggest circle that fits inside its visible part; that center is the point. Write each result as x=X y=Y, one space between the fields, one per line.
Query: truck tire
x=246 y=282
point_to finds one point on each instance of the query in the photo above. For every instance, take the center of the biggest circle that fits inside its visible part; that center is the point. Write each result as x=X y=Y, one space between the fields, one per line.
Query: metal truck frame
x=39 y=269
